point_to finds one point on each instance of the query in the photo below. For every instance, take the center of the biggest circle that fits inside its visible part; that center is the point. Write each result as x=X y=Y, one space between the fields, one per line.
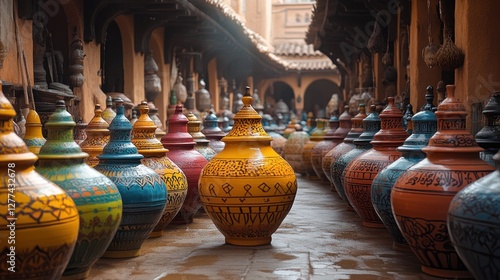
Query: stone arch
x=317 y=96
x=276 y=91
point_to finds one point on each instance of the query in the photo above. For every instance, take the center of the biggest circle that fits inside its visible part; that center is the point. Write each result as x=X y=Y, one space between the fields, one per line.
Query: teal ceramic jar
x=97 y=199
x=143 y=192
x=371 y=125
x=424 y=125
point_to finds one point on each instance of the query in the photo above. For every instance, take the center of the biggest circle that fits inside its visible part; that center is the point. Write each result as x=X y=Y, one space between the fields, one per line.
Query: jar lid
x=120 y=146
x=211 y=126
x=451 y=135
x=357 y=125
x=247 y=123
x=177 y=134
x=95 y=128
x=13 y=149
x=392 y=132
x=60 y=143
x=489 y=135
x=371 y=125
x=345 y=124
x=194 y=127
x=143 y=133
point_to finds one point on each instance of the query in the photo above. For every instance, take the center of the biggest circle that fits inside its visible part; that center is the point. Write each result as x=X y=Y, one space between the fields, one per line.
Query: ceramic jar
x=143 y=192
x=344 y=147
x=41 y=216
x=33 y=137
x=97 y=137
x=337 y=138
x=212 y=132
x=109 y=114
x=421 y=196
x=371 y=125
x=182 y=152
x=278 y=143
x=247 y=189
x=291 y=127
x=153 y=114
x=424 y=124
x=324 y=146
x=488 y=137
x=293 y=150
x=96 y=197
x=202 y=144
x=317 y=135
x=361 y=171
x=155 y=157
x=79 y=134
x=474 y=226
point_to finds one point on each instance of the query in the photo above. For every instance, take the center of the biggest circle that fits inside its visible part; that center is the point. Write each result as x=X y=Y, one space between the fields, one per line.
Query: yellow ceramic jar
x=33 y=137
x=247 y=189
x=97 y=137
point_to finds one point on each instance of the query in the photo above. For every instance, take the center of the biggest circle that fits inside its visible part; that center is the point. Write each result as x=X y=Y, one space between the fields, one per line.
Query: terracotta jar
x=344 y=147
x=97 y=198
x=143 y=192
x=317 y=135
x=424 y=125
x=202 y=143
x=33 y=137
x=97 y=137
x=212 y=132
x=79 y=134
x=361 y=171
x=155 y=157
x=489 y=136
x=181 y=151
x=278 y=143
x=337 y=138
x=291 y=127
x=371 y=125
x=247 y=189
x=42 y=217
x=474 y=226
x=293 y=150
x=421 y=196
x=109 y=114
x=324 y=146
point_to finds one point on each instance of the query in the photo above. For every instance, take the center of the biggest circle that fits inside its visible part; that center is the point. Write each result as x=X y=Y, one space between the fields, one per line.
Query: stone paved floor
x=319 y=239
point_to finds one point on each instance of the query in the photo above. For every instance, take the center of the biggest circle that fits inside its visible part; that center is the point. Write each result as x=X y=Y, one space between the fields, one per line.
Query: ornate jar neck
x=489 y=135
x=33 y=126
x=194 y=127
x=345 y=125
x=357 y=125
x=177 y=136
x=392 y=133
x=143 y=134
x=371 y=125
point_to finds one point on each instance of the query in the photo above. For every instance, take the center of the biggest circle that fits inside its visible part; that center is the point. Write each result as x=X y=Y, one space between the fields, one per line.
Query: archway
x=276 y=92
x=317 y=96
x=112 y=63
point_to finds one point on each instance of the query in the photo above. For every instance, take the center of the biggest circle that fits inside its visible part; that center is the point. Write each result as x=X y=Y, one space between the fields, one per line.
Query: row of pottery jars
x=371 y=125
x=344 y=126
x=247 y=189
x=320 y=149
x=44 y=217
x=144 y=194
x=182 y=151
x=361 y=170
x=344 y=147
x=317 y=134
x=423 y=126
x=421 y=196
x=144 y=137
x=97 y=198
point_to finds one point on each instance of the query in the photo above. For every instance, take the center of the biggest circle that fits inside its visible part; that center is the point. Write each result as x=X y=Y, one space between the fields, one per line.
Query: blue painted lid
x=371 y=124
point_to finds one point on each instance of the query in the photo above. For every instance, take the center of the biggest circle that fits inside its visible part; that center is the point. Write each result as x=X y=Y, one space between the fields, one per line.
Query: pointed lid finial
x=143 y=133
x=97 y=133
x=194 y=127
x=177 y=135
x=392 y=132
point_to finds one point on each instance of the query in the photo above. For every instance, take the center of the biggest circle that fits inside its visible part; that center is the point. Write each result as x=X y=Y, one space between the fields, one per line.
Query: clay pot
x=202 y=144
x=33 y=137
x=421 y=196
x=424 y=126
x=155 y=157
x=96 y=197
x=109 y=114
x=203 y=98
x=97 y=137
x=488 y=137
x=79 y=134
x=324 y=146
x=291 y=127
x=143 y=191
x=317 y=135
x=293 y=150
x=181 y=151
x=474 y=227
x=344 y=147
x=278 y=143
x=361 y=171
x=45 y=218
x=362 y=144
x=337 y=138
x=247 y=189
x=212 y=132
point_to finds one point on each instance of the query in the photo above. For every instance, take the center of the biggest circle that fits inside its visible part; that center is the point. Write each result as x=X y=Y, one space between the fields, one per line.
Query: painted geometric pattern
x=264 y=167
